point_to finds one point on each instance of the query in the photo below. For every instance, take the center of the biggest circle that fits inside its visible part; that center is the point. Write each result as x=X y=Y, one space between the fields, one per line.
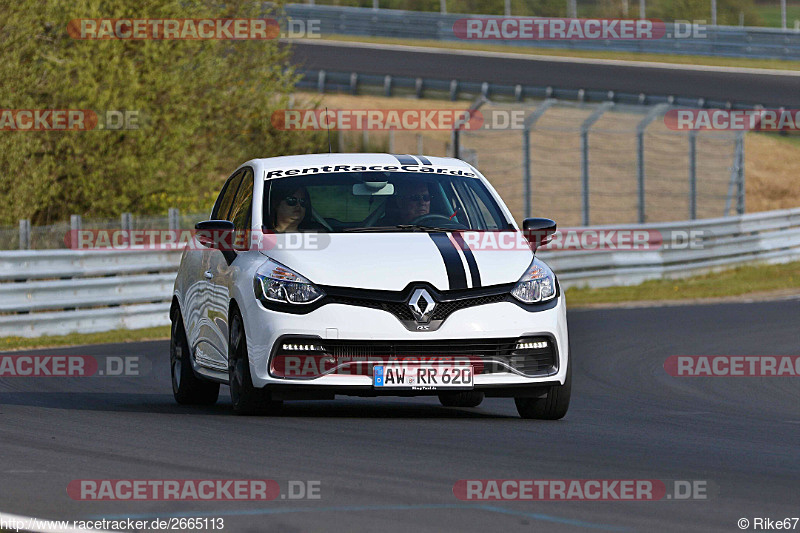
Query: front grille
x=401 y=310
x=445 y=309
x=486 y=352
x=478 y=348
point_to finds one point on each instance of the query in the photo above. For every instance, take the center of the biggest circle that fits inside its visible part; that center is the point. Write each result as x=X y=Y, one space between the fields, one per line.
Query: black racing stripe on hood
x=406 y=159
x=473 y=264
x=452 y=261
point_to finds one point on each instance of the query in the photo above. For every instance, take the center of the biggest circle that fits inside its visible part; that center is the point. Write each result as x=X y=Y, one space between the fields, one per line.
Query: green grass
x=771 y=14
x=76 y=339
x=590 y=54
x=735 y=282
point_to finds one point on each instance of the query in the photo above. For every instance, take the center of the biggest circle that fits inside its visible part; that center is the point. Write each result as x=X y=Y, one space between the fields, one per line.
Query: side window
x=225 y=200
x=489 y=220
x=493 y=219
x=242 y=203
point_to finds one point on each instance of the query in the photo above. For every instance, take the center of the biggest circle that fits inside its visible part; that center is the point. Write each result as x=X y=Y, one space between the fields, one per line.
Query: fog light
x=538 y=345
x=303 y=348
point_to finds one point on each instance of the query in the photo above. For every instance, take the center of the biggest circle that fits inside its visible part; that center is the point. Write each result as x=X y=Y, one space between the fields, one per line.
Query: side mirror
x=538 y=231
x=215 y=234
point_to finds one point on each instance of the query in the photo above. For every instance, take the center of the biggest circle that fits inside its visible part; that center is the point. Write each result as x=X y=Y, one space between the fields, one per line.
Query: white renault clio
x=367 y=275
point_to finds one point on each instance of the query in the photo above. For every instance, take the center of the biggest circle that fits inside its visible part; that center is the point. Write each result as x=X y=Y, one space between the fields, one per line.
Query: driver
x=412 y=200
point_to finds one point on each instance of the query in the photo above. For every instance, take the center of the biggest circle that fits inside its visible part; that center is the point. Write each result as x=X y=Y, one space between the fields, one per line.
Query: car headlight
x=275 y=282
x=538 y=284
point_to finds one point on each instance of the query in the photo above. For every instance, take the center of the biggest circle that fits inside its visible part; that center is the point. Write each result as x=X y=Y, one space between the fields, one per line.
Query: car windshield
x=343 y=202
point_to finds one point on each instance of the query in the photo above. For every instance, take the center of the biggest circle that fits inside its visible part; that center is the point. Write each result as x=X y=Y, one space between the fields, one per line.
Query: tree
x=203 y=107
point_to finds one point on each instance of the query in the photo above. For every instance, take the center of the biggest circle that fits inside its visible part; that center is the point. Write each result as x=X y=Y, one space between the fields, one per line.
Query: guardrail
x=56 y=292
x=354 y=82
x=728 y=41
x=772 y=236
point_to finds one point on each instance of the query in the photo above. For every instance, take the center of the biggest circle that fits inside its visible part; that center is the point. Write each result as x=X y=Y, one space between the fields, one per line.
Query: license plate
x=422 y=377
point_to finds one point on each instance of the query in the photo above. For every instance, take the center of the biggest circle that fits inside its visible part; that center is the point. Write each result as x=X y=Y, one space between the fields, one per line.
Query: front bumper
x=267 y=328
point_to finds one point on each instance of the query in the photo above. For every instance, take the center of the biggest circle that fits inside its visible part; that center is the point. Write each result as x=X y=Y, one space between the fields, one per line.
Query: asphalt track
x=390 y=464
x=745 y=86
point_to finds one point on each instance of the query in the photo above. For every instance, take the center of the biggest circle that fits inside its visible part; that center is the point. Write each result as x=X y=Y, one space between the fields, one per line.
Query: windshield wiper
x=401 y=227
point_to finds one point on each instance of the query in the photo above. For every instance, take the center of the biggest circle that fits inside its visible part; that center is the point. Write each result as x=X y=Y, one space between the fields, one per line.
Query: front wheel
x=187 y=388
x=553 y=406
x=245 y=397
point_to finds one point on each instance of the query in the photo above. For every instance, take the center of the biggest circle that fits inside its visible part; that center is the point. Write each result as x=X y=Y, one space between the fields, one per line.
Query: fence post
x=740 y=197
x=174 y=216
x=692 y=174
x=585 y=127
x=24 y=234
x=387 y=85
x=526 y=169
x=321 y=81
x=126 y=221
x=735 y=184
x=75 y=225
x=527 y=125
x=391 y=141
x=640 y=174
x=455 y=135
x=420 y=147
x=453 y=90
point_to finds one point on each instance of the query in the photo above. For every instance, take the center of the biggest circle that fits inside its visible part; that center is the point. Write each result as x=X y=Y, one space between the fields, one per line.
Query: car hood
x=390 y=261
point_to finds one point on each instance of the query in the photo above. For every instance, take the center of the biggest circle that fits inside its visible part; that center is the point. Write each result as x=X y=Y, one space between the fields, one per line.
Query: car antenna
x=330 y=150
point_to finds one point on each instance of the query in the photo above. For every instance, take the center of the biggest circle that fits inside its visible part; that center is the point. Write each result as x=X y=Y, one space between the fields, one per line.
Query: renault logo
x=422 y=305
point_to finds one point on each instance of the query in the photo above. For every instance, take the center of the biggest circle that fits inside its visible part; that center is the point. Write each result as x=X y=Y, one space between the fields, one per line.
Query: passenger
x=290 y=209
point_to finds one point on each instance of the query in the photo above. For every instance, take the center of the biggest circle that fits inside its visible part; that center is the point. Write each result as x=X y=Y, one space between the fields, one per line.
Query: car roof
x=307 y=160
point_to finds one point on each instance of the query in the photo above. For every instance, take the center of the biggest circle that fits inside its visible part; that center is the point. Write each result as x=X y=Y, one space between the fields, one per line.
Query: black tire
x=246 y=398
x=187 y=388
x=468 y=398
x=552 y=407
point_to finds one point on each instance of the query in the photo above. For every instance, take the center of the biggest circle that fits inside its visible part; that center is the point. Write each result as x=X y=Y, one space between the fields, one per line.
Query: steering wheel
x=439 y=221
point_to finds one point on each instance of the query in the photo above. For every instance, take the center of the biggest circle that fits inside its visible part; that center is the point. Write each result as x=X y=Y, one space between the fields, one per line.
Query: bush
x=204 y=107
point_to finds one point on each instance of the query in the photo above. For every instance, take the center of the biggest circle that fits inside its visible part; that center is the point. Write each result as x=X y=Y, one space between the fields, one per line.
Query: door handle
x=208 y=274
